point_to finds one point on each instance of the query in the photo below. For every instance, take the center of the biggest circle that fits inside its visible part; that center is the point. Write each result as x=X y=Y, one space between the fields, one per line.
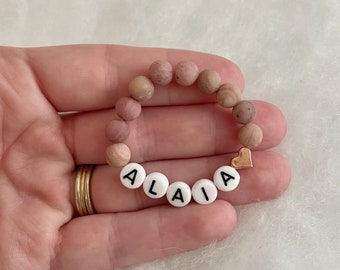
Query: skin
x=40 y=148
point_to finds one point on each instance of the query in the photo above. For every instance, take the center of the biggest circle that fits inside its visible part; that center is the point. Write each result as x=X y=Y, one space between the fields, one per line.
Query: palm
x=40 y=149
x=36 y=166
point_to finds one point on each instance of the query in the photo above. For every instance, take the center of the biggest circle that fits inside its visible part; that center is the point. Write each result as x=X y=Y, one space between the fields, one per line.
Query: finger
x=92 y=77
x=268 y=179
x=171 y=132
x=161 y=231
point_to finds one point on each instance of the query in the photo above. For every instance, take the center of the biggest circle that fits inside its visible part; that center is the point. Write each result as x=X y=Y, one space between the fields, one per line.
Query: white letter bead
x=204 y=191
x=132 y=175
x=226 y=178
x=179 y=194
x=155 y=185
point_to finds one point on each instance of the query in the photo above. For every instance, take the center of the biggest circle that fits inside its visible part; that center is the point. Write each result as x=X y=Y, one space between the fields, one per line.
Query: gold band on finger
x=82 y=191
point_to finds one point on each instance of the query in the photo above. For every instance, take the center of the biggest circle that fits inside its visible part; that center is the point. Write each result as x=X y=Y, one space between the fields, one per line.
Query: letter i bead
x=204 y=191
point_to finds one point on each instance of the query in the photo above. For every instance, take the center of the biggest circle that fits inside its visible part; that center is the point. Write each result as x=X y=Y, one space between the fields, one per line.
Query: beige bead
x=186 y=73
x=250 y=135
x=228 y=95
x=244 y=112
x=118 y=155
x=141 y=88
x=160 y=72
x=208 y=81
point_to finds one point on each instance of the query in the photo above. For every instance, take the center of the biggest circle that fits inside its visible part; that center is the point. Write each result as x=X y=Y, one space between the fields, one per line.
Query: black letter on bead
x=133 y=178
x=225 y=180
x=151 y=187
x=179 y=197
x=205 y=194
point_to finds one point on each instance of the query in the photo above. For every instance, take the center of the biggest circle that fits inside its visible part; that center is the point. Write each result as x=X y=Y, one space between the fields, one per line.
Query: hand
x=40 y=149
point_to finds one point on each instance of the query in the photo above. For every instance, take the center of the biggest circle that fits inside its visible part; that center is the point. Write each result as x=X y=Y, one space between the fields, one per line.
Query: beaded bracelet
x=156 y=184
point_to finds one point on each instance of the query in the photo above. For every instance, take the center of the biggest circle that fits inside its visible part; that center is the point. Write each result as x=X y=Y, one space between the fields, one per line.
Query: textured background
x=289 y=52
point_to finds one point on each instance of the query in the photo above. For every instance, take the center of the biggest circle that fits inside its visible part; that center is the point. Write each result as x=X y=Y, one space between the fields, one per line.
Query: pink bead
x=117 y=131
x=160 y=72
x=244 y=112
x=186 y=73
x=128 y=108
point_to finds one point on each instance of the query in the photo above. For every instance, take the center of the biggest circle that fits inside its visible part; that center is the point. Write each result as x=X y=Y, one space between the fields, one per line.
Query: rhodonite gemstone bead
x=160 y=72
x=186 y=73
x=128 y=108
x=117 y=130
x=244 y=112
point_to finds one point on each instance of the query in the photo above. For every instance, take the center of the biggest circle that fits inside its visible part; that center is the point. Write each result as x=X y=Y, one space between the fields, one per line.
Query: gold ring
x=82 y=190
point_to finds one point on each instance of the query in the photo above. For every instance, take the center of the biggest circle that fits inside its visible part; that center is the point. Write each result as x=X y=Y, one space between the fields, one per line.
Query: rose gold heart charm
x=243 y=160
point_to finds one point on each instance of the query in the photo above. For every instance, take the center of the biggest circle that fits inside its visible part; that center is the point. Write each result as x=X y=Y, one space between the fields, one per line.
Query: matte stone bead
x=160 y=72
x=186 y=73
x=179 y=194
x=244 y=112
x=118 y=154
x=204 y=191
x=228 y=95
x=141 y=88
x=226 y=178
x=250 y=135
x=155 y=185
x=128 y=108
x=132 y=175
x=117 y=131
x=208 y=81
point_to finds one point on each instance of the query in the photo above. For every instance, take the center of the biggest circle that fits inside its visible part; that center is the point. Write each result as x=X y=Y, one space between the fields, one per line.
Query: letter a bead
x=155 y=185
x=179 y=194
x=132 y=175
x=204 y=191
x=226 y=178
